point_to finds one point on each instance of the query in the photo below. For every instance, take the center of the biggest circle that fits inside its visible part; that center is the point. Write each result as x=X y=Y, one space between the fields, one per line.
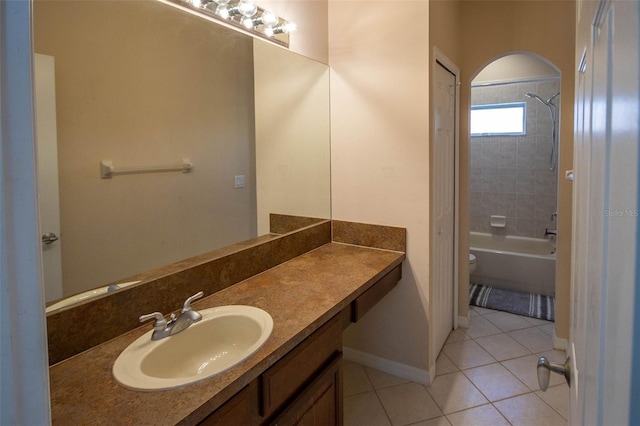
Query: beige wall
x=494 y=28
x=293 y=173
x=311 y=16
x=380 y=136
x=174 y=97
x=445 y=28
x=380 y=157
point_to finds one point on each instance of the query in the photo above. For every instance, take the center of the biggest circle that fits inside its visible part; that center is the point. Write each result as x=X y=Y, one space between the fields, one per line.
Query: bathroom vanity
x=294 y=377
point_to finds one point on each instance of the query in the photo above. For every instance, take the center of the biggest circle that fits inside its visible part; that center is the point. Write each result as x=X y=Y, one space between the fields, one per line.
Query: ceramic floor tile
x=506 y=321
x=547 y=328
x=457 y=335
x=444 y=365
x=558 y=398
x=355 y=379
x=496 y=382
x=440 y=421
x=480 y=327
x=454 y=392
x=524 y=369
x=485 y=415
x=364 y=409
x=467 y=354
x=535 y=321
x=408 y=403
x=533 y=339
x=502 y=347
x=381 y=379
x=529 y=410
x=483 y=311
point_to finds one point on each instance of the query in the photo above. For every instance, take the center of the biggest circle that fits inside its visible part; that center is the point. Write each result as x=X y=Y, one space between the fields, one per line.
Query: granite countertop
x=301 y=295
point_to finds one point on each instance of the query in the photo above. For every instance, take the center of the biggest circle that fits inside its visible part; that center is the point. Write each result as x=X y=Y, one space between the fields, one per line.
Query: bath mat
x=527 y=304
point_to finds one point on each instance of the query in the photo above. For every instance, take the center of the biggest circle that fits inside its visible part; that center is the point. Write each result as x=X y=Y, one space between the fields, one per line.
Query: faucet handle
x=160 y=322
x=187 y=303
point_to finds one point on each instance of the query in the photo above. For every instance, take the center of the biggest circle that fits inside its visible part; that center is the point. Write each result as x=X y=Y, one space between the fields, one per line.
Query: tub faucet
x=162 y=328
x=548 y=232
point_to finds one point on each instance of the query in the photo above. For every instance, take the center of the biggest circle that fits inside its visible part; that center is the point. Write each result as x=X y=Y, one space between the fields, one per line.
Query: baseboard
x=559 y=343
x=464 y=321
x=387 y=366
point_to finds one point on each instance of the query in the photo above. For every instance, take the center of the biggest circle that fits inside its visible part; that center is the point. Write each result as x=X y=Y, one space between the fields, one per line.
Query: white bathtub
x=515 y=263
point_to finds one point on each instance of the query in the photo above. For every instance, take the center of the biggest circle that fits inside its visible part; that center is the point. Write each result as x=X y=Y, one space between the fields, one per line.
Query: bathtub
x=514 y=263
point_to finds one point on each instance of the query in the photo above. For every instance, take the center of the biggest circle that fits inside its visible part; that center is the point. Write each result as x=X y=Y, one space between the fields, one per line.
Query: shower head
x=548 y=102
x=534 y=96
x=552 y=112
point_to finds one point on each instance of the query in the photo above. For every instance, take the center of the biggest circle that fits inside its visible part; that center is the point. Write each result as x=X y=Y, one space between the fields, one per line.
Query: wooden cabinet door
x=321 y=402
x=240 y=410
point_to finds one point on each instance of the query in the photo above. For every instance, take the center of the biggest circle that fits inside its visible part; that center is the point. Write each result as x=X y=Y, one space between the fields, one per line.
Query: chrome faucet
x=162 y=328
x=548 y=232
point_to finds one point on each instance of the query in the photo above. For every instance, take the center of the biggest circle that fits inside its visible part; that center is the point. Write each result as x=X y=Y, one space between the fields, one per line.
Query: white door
x=605 y=212
x=443 y=209
x=48 y=194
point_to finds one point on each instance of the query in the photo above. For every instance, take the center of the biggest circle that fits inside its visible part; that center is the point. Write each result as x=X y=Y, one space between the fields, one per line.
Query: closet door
x=443 y=210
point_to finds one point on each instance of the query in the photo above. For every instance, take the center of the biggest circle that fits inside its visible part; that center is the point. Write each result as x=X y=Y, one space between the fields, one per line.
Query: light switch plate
x=239 y=181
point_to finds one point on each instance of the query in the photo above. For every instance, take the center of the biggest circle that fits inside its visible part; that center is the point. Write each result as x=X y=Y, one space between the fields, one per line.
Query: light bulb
x=248 y=22
x=213 y=5
x=289 y=27
x=269 y=19
x=223 y=11
x=247 y=8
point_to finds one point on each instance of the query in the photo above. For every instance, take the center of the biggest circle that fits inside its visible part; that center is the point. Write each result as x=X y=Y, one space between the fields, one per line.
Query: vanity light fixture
x=242 y=9
x=267 y=18
x=245 y=14
x=286 y=28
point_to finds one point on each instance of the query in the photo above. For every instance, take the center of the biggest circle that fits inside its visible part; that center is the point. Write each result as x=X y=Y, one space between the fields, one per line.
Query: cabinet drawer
x=300 y=366
x=366 y=300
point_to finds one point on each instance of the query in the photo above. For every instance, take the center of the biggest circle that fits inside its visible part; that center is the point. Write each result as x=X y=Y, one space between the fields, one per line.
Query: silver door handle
x=49 y=238
x=545 y=368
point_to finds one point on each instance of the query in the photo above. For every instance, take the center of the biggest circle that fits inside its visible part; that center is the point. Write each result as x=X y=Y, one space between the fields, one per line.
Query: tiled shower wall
x=510 y=175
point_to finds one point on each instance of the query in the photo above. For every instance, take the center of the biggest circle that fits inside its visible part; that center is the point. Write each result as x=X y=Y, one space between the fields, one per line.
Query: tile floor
x=486 y=375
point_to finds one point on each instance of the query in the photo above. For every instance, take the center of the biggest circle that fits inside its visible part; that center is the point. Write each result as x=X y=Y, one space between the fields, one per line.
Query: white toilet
x=472 y=263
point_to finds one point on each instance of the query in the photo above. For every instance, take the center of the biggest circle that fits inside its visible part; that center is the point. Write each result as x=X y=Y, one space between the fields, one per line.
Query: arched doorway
x=514 y=140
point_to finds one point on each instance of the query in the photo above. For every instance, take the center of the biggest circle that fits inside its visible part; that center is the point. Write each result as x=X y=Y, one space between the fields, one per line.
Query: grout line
x=382 y=405
x=375 y=392
x=460 y=370
x=548 y=405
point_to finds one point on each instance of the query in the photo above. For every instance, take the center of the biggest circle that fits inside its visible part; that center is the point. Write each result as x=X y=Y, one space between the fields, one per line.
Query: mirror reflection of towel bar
x=107 y=169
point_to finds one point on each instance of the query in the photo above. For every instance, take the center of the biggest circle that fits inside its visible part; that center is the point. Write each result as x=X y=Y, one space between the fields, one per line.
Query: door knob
x=49 y=238
x=545 y=368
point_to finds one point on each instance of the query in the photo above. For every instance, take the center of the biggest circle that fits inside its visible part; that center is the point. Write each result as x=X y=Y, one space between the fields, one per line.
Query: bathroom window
x=498 y=119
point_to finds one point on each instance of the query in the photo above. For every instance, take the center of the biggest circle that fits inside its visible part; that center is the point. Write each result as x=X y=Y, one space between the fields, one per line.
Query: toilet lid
x=472 y=258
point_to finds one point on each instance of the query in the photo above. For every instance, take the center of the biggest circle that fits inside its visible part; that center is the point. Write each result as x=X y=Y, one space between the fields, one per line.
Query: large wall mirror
x=142 y=84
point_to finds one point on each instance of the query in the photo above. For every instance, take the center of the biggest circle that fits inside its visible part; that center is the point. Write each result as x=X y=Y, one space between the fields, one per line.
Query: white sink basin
x=226 y=336
x=90 y=294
